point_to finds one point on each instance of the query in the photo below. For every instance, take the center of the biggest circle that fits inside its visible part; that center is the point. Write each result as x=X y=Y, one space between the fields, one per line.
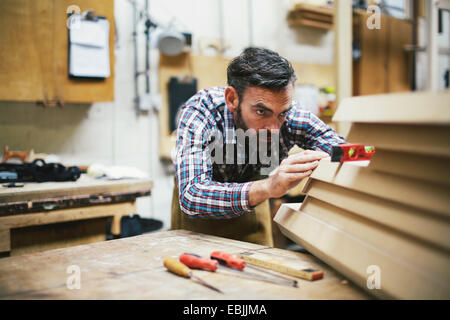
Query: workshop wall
x=111 y=132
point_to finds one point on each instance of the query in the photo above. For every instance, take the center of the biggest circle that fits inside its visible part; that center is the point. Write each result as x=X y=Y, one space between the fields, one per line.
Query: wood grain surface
x=132 y=268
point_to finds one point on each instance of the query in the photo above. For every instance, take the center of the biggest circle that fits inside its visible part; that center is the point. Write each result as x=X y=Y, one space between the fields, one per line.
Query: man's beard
x=239 y=122
x=263 y=139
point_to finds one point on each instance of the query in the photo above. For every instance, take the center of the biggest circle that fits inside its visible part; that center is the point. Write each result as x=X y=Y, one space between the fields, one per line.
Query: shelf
x=311 y=16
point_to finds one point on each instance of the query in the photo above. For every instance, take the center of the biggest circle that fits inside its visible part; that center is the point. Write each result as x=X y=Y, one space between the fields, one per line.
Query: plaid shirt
x=221 y=191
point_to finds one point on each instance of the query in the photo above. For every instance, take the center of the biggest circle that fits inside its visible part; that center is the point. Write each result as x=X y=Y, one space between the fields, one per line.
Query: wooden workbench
x=131 y=268
x=41 y=216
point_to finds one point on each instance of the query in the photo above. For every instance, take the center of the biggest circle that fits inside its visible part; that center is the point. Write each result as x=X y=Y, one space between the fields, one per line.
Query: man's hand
x=287 y=175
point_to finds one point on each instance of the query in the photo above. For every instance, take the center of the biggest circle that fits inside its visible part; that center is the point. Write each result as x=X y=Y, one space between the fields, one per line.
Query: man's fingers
x=305 y=157
x=297 y=168
x=298 y=176
x=315 y=152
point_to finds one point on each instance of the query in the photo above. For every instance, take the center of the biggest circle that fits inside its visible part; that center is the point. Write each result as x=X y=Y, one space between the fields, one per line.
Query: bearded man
x=221 y=187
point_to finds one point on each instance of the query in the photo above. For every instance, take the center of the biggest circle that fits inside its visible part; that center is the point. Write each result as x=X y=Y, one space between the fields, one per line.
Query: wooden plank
x=313 y=16
x=298 y=21
x=352 y=256
x=84 y=185
x=425 y=167
x=343 y=56
x=131 y=268
x=430 y=197
x=33 y=219
x=312 y=8
x=420 y=139
x=418 y=254
x=403 y=218
x=412 y=107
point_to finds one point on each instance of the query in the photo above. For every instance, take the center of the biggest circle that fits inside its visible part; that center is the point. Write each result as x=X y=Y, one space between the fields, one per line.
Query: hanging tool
x=182 y=270
x=351 y=152
x=238 y=265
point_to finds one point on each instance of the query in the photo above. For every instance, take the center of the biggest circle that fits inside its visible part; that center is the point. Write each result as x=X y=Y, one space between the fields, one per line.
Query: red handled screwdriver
x=195 y=261
x=228 y=260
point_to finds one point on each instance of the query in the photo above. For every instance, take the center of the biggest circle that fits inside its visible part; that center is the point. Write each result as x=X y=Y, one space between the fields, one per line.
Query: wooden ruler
x=285 y=265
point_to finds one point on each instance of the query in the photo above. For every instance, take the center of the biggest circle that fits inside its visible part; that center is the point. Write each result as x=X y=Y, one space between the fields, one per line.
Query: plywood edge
x=412 y=165
x=352 y=258
x=412 y=192
x=411 y=107
x=413 y=222
x=418 y=138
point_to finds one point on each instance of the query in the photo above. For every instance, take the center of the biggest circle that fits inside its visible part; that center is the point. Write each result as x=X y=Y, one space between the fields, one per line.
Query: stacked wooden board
x=390 y=216
x=311 y=16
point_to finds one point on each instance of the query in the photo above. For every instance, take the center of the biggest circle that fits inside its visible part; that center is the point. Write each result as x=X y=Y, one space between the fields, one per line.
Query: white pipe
x=250 y=22
x=221 y=27
x=432 y=47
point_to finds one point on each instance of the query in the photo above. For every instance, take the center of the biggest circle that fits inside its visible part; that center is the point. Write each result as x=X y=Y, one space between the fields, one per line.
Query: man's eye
x=260 y=112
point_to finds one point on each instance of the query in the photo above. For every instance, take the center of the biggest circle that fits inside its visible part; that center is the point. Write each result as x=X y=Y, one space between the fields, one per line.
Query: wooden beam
x=343 y=54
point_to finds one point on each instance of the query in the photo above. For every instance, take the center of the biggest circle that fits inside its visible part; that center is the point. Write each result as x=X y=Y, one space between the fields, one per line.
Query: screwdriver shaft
x=182 y=270
x=252 y=275
x=273 y=274
x=206 y=284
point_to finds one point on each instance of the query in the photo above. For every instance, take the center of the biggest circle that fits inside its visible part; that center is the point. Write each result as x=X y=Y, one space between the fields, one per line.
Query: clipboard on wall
x=88 y=46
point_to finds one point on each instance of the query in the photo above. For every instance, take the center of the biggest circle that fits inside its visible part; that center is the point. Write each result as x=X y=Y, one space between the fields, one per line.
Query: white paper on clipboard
x=89 y=49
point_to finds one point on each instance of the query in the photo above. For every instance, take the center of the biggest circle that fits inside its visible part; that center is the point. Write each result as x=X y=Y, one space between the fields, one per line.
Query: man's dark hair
x=259 y=67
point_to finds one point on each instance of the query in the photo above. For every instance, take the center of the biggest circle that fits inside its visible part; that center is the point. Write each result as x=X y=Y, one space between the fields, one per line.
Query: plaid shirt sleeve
x=309 y=132
x=199 y=195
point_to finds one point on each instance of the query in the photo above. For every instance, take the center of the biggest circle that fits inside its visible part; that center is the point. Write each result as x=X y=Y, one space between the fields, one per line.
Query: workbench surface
x=84 y=185
x=131 y=268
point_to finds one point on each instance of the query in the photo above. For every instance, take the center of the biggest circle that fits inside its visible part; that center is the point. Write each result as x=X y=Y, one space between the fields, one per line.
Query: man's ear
x=231 y=99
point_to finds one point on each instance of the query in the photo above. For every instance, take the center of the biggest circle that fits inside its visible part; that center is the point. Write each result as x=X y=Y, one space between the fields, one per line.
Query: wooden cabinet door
x=383 y=66
x=34 y=52
x=399 y=34
x=80 y=89
x=371 y=68
x=26 y=50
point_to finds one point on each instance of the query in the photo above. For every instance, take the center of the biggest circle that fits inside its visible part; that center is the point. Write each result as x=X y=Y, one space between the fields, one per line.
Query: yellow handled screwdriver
x=180 y=269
